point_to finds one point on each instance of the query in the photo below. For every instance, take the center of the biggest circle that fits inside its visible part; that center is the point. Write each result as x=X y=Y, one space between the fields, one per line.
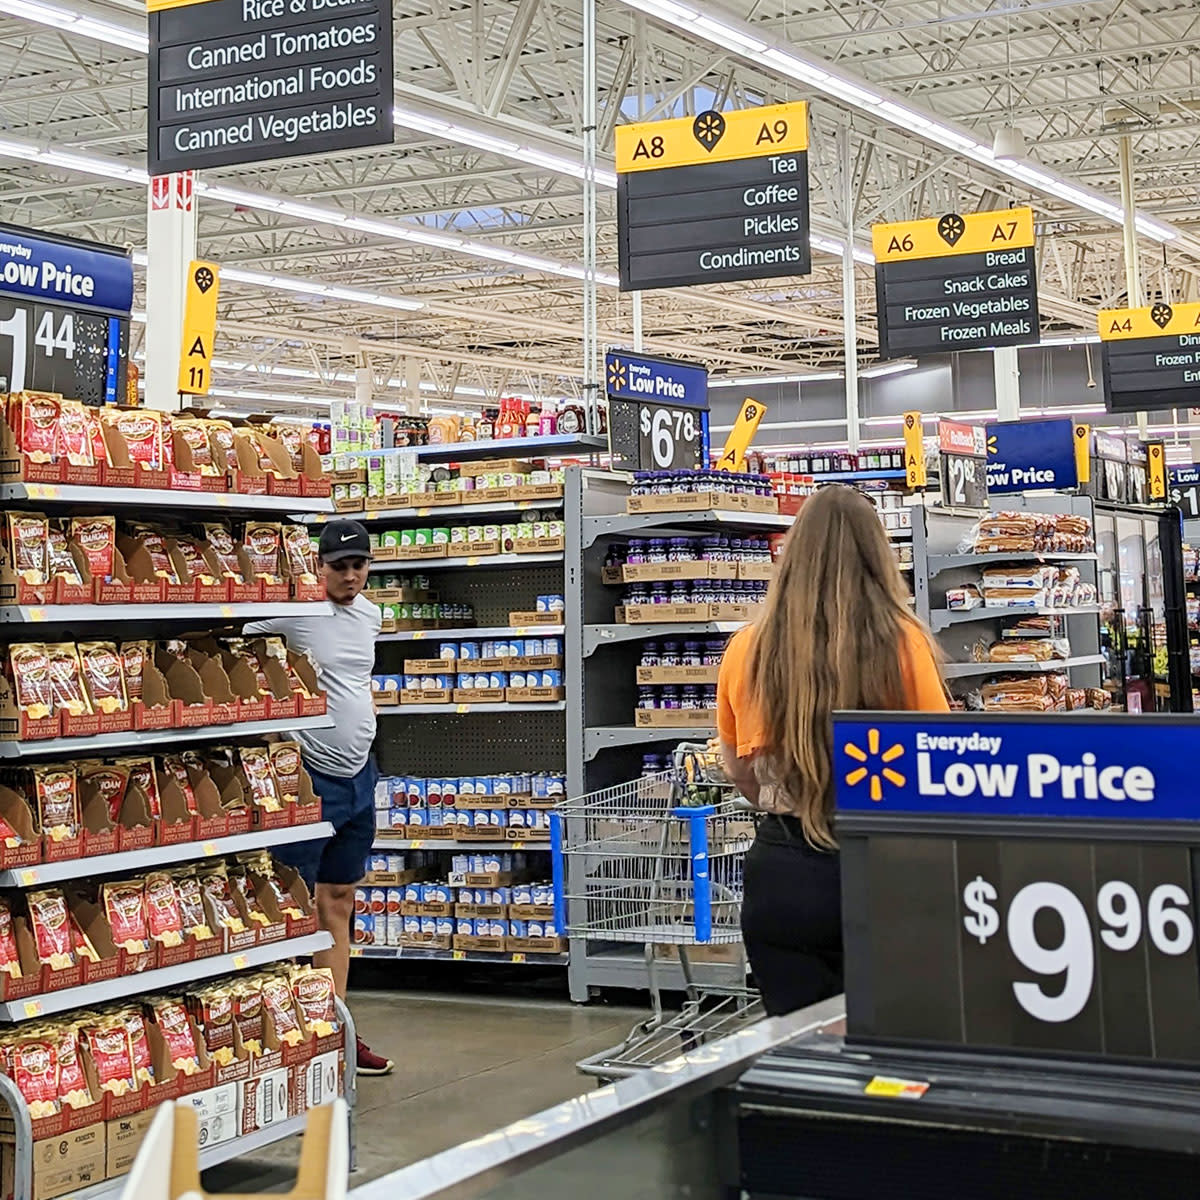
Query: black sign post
x=714 y=199
x=1151 y=357
x=956 y=283
x=236 y=81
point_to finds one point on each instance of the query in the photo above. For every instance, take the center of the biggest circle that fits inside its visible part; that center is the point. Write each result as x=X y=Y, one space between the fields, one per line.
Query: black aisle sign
x=1151 y=357
x=956 y=283
x=64 y=316
x=714 y=199
x=236 y=81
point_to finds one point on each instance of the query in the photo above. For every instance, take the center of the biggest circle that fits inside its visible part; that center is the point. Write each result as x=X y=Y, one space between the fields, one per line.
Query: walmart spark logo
x=992 y=445
x=875 y=765
x=618 y=375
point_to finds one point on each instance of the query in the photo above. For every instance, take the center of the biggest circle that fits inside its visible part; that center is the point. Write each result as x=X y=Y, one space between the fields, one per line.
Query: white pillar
x=364 y=386
x=1008 y=383
x=170 y=247
x=849 y=304
x=637 y=323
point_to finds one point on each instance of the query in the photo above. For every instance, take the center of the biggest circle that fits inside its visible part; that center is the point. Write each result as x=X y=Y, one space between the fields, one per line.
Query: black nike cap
x=343 y=539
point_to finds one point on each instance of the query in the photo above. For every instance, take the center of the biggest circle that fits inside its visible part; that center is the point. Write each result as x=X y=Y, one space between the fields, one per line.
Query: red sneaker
x=370 y=1063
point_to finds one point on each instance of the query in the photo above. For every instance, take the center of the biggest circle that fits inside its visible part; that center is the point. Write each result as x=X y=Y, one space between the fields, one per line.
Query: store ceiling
x=1073 y=76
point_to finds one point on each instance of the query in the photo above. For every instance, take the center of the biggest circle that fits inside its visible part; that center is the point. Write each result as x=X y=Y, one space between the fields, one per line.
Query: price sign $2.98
x=1066 y=966
x=671 y=438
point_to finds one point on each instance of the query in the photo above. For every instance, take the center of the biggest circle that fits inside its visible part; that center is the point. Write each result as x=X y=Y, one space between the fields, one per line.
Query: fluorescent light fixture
x=732 y=33
x=887 y=368
x=1082 y=339
x=68 y=21
x=754 y=380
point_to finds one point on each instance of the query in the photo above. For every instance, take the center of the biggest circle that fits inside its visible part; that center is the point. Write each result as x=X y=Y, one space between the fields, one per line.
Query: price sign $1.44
x=671 y=438
x=1051 y=934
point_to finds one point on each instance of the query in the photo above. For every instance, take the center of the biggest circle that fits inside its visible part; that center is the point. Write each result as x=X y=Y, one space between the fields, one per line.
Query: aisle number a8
x=665 y=429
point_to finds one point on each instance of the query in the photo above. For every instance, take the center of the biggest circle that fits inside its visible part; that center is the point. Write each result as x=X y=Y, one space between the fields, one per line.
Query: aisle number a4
x=709 y=137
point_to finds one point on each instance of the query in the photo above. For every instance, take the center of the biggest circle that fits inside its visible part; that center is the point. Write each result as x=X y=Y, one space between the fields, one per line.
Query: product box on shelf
x=479 y=695
x=61 y=1164
x=427 y=696
x=496 y=466
x=487 y=944
x=650 y=614
x=674 y=718
x=267 y=1100
x=520 y=619
x=702 y=502
x=659 y=571
x=535 y=695
x=694 y=675
x=539 y=945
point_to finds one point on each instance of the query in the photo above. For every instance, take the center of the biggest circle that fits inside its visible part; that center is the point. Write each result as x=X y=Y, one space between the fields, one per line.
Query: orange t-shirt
x=738 y=721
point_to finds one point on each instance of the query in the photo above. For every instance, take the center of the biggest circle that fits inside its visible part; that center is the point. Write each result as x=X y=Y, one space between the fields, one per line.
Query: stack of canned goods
x=668 y=483
x=707 y=653
x=672 y=695
x=716 y=547
x=410 y=801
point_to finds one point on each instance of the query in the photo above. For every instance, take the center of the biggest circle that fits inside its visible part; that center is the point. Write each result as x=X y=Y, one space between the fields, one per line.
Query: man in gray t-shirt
x=339 y=758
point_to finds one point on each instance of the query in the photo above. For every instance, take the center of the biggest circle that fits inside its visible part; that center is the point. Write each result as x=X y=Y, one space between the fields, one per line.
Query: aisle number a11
x=199 y=328
x=733 y=455
x=775 y=129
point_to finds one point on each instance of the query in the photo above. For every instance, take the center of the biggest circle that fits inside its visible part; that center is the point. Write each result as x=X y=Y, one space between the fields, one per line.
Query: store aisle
x=464 y=1065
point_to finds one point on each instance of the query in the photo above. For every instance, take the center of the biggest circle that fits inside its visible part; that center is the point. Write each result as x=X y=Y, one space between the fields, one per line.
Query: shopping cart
x=658 y=862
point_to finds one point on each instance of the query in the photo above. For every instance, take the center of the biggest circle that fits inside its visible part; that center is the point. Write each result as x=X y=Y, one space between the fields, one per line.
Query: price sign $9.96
x=670 y=438
x=1052 y=936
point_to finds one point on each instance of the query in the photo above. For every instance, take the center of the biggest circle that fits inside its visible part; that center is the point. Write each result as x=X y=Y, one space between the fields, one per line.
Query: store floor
x=466 y=1062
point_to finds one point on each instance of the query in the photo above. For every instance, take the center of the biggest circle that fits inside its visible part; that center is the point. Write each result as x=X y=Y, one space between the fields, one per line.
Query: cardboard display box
x=693 y=675
x=653 y=614
x=702 y=502
x=658 y=572
x=675 y=718
x=62 y=1164
x=519 y=619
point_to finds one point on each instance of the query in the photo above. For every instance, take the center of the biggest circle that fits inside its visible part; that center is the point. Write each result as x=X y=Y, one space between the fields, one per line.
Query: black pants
x=792 y=917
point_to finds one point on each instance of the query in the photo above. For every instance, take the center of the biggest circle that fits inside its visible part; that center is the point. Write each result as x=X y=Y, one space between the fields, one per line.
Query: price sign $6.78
x=1065 y=968
x=671 y=438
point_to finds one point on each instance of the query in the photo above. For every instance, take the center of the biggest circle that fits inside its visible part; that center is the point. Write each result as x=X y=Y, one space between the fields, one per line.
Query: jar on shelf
x=668 y=697
x=650 y=655
x=660 y=593
x=652 y=764
x=714 y=651
x=708 y=696
x=647 y=696
x=690 y=697
x=670 y=655
x=692 y=656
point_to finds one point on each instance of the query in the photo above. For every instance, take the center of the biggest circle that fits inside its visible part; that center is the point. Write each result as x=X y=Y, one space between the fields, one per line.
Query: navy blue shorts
x=349 y=806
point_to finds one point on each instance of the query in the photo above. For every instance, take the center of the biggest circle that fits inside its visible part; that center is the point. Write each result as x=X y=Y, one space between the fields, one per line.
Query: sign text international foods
x=64 y=316
x=234 y=81
x=1138 y=770
x=1151 y=357
x=713 y=198
x=956 y=282
x=1031 y=455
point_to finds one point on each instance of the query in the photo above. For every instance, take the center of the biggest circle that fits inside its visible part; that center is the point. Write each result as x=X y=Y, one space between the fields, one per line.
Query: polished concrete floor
x=470 y=1056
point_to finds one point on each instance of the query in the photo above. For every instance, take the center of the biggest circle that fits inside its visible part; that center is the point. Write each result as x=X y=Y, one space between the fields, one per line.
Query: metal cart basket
x=658 y=862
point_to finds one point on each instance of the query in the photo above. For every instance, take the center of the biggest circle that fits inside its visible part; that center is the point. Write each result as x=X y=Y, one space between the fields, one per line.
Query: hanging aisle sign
x=657 y=413
x=64 y=316
x=956 y=283
x=713 y=199
x=1151 y=357
x=240 y=81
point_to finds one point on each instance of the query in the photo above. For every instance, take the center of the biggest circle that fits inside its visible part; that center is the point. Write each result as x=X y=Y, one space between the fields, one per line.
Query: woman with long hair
x=836 y=633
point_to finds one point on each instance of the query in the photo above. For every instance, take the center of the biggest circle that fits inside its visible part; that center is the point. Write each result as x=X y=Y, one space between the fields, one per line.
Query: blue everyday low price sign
x=1106 y=768
x=1027 y=455
x=65 y=272
x=635 y=377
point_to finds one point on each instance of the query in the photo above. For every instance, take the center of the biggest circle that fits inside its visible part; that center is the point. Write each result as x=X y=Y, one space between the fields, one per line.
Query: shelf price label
x=458 y=955
x=33 y=1008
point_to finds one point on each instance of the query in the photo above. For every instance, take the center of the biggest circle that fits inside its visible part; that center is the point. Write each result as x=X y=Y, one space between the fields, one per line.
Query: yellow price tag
x=28 y=878
x=227 y=610
x=518 y=958
x=473 y=561
x=41 y=491
x=419 y=636
x=518 y=845
x=520 y=631
x=223 y=499
x=239 y=961
x=424 y=512
x=458 y=955
x=907 y=1089
x=355 y=952
x=37 y=614
x=209 y=848
x=462 y=708
x=416 y=844
x=33 y=1008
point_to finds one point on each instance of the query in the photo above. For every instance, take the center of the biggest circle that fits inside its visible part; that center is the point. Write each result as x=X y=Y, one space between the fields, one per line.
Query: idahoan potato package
x=51 y=927
x=104 y=676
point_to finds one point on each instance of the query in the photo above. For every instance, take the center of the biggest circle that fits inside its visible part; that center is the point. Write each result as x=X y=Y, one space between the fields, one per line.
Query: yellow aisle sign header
x=939 y=237
x=1156 y=458
x=1083 y=456
x=1159 y=320
x=713 y=137
x=199 y=328
x=733 y=456
x=914 y=450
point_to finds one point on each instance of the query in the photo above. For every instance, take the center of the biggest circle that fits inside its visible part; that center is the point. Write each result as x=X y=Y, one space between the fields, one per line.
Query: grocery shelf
x=134 y=860
x=382 y=842
x=478 y=633
x=965 y=670
x=149 y=982
x=471 y=560
x=104 y=613
x=948 y=562
x=942 y=618
x=167 y=499
x=401 y=710
x=622 y=523
x=557 y=445
x=502 y=957
x=606 y=737
x=137 y=738
x=210 y=1156
x=490 y=507
x=595 y=636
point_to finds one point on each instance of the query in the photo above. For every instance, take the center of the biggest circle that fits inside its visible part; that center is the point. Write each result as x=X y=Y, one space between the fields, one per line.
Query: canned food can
x=551 y=679
x=448 y=650
x=468 y=651
x=498 y=679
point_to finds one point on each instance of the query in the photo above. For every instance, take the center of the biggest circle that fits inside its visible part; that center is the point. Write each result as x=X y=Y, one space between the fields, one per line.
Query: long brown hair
x=830 y=637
